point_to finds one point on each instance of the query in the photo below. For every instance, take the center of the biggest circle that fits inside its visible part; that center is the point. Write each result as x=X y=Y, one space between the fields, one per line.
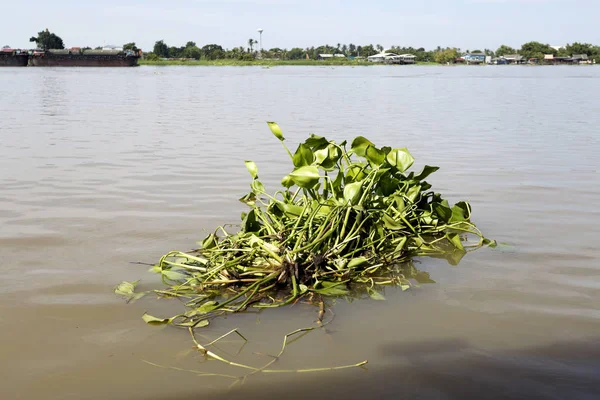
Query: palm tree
x=251 y=43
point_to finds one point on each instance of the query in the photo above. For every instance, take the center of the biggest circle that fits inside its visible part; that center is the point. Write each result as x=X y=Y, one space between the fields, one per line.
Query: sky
x=466 y=24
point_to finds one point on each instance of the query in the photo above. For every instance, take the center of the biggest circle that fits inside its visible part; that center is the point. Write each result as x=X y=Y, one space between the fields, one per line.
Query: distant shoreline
x=314 y=63
x=266 y=63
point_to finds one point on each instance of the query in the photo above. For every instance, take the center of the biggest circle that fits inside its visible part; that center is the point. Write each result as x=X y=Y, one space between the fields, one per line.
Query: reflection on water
x=99 y=168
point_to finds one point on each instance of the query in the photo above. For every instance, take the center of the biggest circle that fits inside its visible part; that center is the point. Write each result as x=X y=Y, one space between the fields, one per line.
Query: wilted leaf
x=375 y=295
x=423 y=277
x=149 y=319
x=127 y=290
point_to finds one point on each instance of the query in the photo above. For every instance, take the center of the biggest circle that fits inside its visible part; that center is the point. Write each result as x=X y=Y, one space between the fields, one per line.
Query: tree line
x=441 y=55
x=48 y=40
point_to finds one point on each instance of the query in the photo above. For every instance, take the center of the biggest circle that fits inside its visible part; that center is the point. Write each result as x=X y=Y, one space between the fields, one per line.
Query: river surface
x=100 y=168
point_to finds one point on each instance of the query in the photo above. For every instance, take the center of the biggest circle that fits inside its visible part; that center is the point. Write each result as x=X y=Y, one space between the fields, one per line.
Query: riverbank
x=265 y=63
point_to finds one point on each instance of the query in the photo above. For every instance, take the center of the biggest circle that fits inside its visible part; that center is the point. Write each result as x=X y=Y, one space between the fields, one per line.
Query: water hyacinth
x=347 y=218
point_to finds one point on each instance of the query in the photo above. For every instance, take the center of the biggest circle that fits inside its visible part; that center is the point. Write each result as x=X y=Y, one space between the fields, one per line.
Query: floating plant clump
x=347 y=220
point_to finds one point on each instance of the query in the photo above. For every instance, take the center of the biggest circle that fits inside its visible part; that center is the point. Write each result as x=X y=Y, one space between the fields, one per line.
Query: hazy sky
x=467 y=24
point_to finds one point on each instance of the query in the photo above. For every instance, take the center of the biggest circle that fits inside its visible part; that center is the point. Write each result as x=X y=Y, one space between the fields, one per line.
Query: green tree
x=296 y=54
x=251 y=43
x=161 y=49
x=352 y=49
x=446 y=56
x=368 y=50
x=151 y=57
x=47 y=40
x=212 y=52
x=581 y=48
x=563 y=52
x=192 y=52
x=130 y=46
x=504 y=50
x=536 y=50
x=175 y=52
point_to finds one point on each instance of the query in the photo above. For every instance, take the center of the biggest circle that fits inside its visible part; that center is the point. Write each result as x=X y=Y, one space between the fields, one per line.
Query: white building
x=393 y=58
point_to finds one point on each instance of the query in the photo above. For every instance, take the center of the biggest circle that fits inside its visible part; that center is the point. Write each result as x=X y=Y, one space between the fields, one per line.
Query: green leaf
x=257 y=186
x=287 y=182
x=375 y=295
x=195 y=324
x=306 y=177
x=276 y=130
x=249 y=199
x=391 y=223
x=401 y=244
x=461 y=212
x=127 y=291
x=355 y=172
x=357 y=262
x=353 y=192
x=375 y=156
x=423 y=277
x=207 y=307
x=414 y=193
x=454 y=238
x=303 y=288
x=315 y=142
x=427 y=170
x=443 y=210
x=360 y=144
x=149 y=319
x=303 y=156
x=174 y=275
x=210 y=242
x=400 y=158
x=332 y=289
x=249 y=223
x=252 y=168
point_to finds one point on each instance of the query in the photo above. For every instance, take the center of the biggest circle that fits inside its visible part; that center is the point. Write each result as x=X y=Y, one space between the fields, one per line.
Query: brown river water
x=100 y=168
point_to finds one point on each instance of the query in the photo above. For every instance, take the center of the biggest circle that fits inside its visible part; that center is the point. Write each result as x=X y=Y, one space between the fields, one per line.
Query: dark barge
x=84 y=58
x=13 y=58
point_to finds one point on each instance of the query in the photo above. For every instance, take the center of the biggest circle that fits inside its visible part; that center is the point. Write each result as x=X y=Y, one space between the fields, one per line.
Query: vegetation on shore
x=247 y=54
x=255 y=62
x=346 y=221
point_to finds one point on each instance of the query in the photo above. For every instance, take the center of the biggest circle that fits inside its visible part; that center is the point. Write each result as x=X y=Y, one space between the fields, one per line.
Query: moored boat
x=86 y=58
x=13 y=58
